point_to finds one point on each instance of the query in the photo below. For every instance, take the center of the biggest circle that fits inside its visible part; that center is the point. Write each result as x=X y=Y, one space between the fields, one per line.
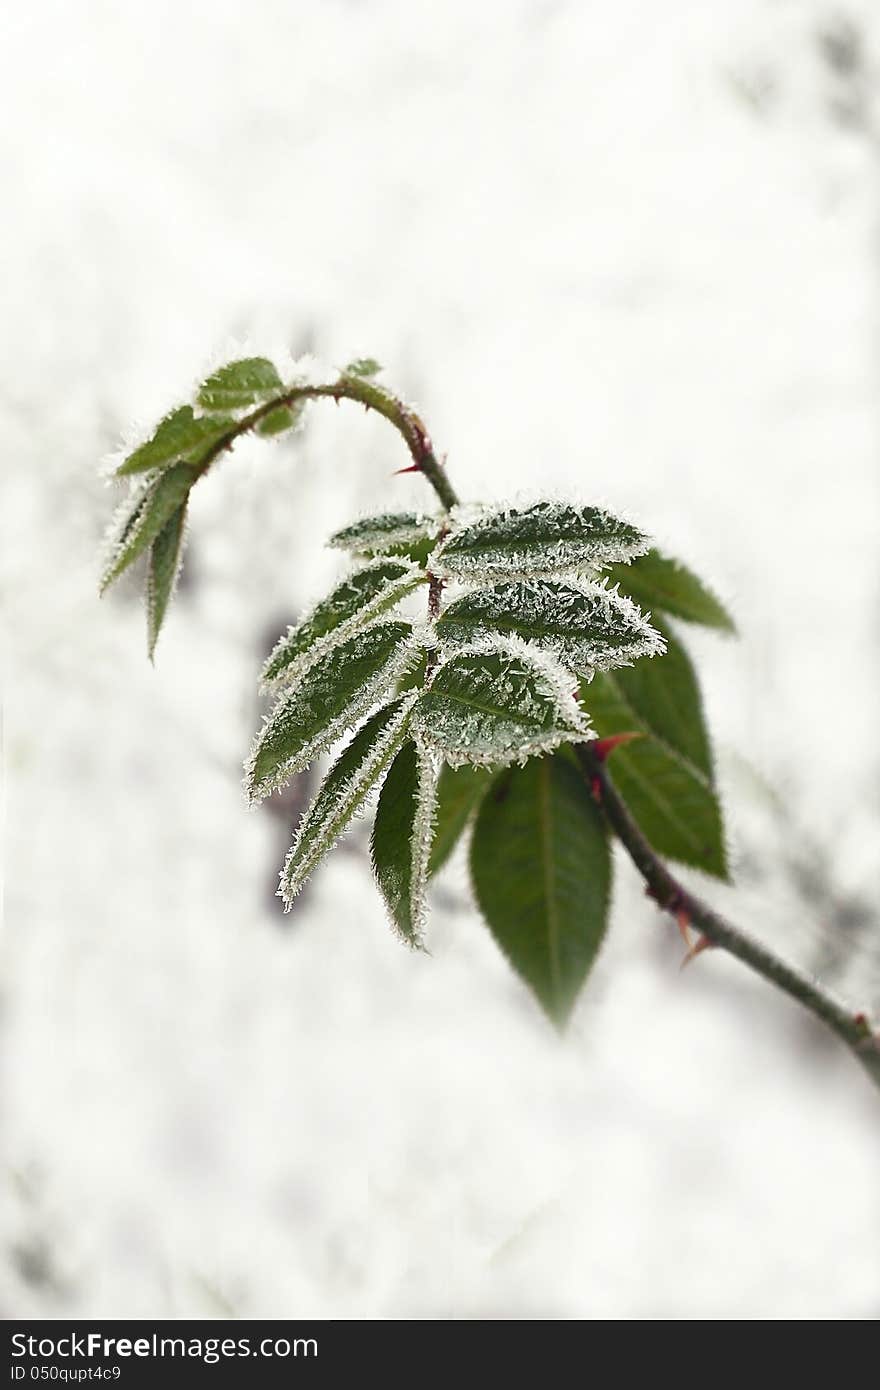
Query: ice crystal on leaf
x=375 y=535
x=355 y=603
x=147 y=513
x=497 y=703
x=586 y=627
x=344 y=791
x=545 y=539
x=329 y=698
x=181 y=436
x=403 y=830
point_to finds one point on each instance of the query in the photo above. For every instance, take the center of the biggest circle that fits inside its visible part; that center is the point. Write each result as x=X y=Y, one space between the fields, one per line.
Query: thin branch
x=372 y=397
x=852 y=1028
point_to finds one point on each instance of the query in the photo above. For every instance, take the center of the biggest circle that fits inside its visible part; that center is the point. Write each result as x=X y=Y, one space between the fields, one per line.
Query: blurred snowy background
x=626 y=251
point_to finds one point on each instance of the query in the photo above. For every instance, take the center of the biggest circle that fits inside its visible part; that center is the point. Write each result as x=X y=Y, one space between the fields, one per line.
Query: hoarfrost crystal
x=344 y=791
x=585 y=626
x=545 y=539
x=356 y=602
x=374 y=535
x=499 y=702
x=329 y=698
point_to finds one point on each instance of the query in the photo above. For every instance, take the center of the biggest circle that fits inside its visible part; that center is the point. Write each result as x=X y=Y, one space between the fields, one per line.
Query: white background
x=626 y=253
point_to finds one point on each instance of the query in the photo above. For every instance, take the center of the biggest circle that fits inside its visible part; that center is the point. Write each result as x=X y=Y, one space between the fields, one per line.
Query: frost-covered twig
x=851 y=1027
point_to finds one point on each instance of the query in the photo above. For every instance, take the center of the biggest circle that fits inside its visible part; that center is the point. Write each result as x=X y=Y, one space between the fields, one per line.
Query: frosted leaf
x=585 y=626
x=182 y=435
x=240 y=384
x=498 y=703
x=400 y=846
x=148 y=512
x=357 y=601
x=344 y=791
x=165 y=556
x=374 y=535
x=542 y=540
x=330 y=697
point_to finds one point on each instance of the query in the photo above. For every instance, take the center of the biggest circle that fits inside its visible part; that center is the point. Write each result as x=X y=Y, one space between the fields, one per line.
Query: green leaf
x=330 y=697
x=277 y=421
x=459 y=792
x=353 y=604
x=343 y=792
x=165 y=556
x=151 y=510
x=498 y=704
x=541 y=871
x=180 y=436
x=674 y=804
x=665 y=695
x=240 y=384
x=545 y=539
x=401 y=842
x=363 y=367
x=375 y=535
x=658 y=582
x=584 y=627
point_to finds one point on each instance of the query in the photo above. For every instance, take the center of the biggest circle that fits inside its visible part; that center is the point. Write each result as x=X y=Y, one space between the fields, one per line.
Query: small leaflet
x=344 y=791
x=240 y=384
x=150 y=510
x=546 y=539
x=285 y=417
x=374 y=535
x=497 y=703
x=585 y=627
x=164 y=567
x=329 y=698
x=403 y=830
x=358 y=600
x=182 y=435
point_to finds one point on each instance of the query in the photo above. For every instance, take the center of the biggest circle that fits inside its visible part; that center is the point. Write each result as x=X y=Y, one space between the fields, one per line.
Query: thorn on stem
x=701 y=944
x=413 y=468
x=683 y=919
x=604 y=747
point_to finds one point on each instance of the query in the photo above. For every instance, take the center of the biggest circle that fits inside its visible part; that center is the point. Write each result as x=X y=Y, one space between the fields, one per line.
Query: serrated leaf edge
x=427 y=528
x=422 y=839
x=559 y=681
x=409 y=580
x=398 y=664
x=469 y=517
x=354 y=796
x=654 y=644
